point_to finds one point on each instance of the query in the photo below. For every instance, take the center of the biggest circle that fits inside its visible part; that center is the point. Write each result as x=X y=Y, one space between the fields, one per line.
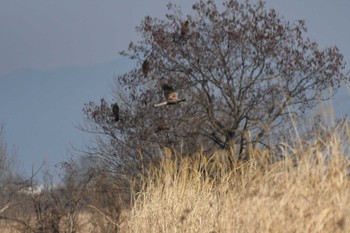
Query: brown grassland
x=306 y=190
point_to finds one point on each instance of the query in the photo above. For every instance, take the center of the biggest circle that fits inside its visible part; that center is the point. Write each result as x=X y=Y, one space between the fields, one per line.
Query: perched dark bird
x=115 y=111
x=145 y=67
x=185 y=28
x=162 y=127
x=170 y=96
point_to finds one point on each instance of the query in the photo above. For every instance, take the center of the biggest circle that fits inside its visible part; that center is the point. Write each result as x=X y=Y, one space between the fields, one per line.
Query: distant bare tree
x=243 y=70
x=10 y=180
x=5 y=175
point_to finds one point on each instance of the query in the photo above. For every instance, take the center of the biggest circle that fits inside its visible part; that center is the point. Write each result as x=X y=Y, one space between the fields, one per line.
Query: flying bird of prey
x=145 y=68
x=170 y=96
x=115 y=111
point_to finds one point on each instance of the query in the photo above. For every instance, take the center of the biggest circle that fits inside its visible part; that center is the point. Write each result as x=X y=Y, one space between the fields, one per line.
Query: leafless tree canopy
x=10 y=180
x=242 y=68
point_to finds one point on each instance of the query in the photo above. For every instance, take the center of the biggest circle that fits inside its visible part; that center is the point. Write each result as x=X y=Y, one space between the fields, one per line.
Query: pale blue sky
x=57 y=54
x=44 y=34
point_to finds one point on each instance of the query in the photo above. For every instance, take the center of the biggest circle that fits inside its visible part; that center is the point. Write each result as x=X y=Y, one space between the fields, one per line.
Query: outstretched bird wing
x=160 y=104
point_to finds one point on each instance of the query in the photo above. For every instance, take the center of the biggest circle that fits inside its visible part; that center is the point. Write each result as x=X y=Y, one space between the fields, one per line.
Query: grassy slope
x=309 y=193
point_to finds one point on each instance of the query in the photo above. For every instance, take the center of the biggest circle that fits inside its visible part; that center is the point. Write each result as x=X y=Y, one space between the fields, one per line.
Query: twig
x=104 y=215
x=5 y=207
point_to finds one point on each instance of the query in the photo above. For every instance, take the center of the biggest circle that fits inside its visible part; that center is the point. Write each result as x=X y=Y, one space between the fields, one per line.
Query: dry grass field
x=308 y=191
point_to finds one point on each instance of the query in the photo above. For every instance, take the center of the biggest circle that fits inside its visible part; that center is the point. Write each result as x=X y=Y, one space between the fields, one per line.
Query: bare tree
x=56 y=206
x=11 y=183
x=243 y=69
x=10 y=180
x=5 y=175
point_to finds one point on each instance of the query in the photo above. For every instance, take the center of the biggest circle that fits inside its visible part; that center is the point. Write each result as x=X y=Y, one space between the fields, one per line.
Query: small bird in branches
x=115 y=111
x=170 y=96
x=145 y=68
